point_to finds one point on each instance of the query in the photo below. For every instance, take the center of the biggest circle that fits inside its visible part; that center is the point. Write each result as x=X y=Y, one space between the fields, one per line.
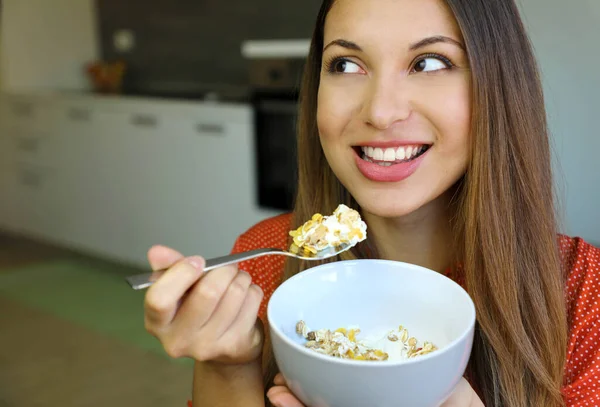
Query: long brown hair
x=505 y=223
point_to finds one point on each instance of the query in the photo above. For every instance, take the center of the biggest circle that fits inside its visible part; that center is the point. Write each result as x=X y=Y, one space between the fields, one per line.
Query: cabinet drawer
x=31 y=177
x=33 y=195
x=34 y=147
x=28 y=115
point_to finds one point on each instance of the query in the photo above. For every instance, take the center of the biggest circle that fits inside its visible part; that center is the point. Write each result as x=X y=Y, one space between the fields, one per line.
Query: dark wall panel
x=187 y=42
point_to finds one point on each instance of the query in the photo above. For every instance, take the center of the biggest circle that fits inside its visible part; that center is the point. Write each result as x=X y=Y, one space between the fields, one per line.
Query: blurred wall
x=565 y=36
x=45 y=44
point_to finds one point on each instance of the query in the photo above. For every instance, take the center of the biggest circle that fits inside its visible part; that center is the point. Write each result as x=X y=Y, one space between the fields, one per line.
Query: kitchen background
x=180 y=41
x=198 y=146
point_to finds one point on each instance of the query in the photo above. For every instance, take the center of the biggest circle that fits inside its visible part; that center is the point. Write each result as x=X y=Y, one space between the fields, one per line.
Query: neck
x=423 y=237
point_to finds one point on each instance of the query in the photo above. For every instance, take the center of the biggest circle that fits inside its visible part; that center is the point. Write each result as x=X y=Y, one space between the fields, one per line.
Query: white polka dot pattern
x=266 y=271
x=582 y=370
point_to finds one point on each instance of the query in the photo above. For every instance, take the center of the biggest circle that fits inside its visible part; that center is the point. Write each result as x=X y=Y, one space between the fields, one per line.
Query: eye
x=342 y=65
x=431 y=63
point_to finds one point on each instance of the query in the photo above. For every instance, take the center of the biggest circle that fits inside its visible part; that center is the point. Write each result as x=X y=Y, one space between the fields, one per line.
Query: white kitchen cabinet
x=9 y=121
x=113 y=176
x=201 y=190
x=33 y=189
x=88 y=206
x=6 y=200
x=186 y=181
x=30 y=164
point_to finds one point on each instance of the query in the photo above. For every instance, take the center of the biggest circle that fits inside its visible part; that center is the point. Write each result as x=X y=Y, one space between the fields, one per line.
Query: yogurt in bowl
x=375 y=296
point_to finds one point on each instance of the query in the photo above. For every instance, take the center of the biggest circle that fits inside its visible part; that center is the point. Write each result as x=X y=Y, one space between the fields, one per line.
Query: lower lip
x=392 y=173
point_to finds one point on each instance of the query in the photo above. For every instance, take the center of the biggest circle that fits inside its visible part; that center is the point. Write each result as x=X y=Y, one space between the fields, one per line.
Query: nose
x=387 y=102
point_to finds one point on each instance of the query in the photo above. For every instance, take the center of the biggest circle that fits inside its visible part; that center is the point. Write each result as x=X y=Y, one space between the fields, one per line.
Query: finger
x=282 y=396
x=163 y=297
x=279 y=380
x=204 y=297
x=246 y=333
x=277 y=390
x=246 y=319
x=230 y=305
x=162 y=257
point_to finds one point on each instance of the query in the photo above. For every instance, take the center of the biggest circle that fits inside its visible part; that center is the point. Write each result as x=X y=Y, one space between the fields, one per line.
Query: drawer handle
x=80 y=115
x=29 y=145
x=144 y=120
x=213 y=129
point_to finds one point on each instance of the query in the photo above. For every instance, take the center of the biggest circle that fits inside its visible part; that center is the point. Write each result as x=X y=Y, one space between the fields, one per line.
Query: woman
x=428 y=117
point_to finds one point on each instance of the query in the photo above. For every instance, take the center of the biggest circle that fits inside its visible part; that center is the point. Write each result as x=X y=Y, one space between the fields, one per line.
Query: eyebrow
x=434 y=40
x=419 y=44
x=344 y=44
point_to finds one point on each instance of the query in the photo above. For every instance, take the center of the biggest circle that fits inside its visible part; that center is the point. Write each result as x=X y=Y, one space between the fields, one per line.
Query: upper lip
x=391 y=143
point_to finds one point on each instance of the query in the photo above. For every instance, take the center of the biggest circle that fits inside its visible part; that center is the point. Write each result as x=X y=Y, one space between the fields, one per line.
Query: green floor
x=72 y=334
x=87 y=293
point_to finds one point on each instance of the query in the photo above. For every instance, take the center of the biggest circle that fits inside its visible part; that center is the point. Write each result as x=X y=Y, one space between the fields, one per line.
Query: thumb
x=280 y=396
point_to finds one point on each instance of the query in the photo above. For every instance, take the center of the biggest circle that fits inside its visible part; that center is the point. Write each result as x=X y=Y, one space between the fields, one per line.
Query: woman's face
x=394 y=102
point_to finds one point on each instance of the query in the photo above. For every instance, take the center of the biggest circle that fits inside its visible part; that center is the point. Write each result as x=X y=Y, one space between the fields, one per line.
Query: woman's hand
x=463 y=395
x=207 y=317
x=281 y=396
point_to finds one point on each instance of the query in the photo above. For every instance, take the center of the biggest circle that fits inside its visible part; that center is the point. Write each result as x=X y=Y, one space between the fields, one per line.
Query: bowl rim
x=384 y=363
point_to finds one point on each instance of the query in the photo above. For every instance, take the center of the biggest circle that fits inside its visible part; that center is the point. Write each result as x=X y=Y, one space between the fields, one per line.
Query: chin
x=409 y=200
x=392 y=206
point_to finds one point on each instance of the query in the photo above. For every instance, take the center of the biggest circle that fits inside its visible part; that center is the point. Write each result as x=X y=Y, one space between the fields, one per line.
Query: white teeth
x=378 y=154
x=389 y=154
x=400 y=154
x=385 y=164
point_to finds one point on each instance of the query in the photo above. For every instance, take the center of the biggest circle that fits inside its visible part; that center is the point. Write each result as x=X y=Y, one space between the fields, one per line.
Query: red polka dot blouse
x=582 y=370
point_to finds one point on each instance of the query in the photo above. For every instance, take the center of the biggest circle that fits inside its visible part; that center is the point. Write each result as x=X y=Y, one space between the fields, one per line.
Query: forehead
x=392 y=20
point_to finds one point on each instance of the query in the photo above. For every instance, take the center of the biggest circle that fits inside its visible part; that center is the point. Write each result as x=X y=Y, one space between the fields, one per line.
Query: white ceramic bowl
x=376 y=295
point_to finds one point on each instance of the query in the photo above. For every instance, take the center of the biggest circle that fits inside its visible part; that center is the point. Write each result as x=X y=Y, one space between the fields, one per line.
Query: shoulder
x=266 y=271
x=271 y=232
x=576 y=249
x=582 y=263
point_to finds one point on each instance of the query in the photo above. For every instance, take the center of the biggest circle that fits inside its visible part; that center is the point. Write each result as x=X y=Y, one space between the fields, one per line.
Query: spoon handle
x=238 y=257
x=145 y=280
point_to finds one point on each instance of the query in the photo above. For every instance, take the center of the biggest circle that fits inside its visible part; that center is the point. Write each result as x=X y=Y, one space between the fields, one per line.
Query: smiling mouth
x=389 y=156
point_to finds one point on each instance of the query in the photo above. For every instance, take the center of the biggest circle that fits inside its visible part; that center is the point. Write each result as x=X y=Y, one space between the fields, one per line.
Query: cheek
x=335 y=110
x=450 y=113
x=459 y=116
x=327 y=114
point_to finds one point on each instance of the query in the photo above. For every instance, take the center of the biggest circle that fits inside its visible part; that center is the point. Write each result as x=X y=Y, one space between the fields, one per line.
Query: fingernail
x=197 y=262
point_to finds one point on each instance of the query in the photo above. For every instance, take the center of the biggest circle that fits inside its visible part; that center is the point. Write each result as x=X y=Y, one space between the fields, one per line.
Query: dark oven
x=274 y=88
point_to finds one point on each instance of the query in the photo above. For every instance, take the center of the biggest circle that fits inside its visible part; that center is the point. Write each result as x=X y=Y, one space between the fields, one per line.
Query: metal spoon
x=145 y=280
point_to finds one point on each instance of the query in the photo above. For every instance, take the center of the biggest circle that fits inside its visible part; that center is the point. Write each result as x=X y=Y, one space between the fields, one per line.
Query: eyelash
x=445 y=60
x=332 y=61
